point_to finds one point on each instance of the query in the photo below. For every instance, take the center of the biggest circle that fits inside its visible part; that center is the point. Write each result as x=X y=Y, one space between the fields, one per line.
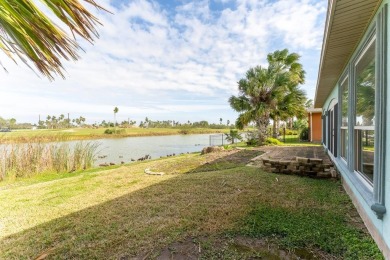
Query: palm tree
x=115 y=111
x=233 y=135
x=264 y=89
x=29 y=34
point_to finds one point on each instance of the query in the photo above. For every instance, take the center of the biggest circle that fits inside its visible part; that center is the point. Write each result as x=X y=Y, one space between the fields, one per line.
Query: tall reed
x=28 y=159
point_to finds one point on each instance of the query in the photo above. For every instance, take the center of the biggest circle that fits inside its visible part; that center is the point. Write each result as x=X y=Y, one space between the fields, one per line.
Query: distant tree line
x=60 y=122
x=12 y=124
x=147 y=123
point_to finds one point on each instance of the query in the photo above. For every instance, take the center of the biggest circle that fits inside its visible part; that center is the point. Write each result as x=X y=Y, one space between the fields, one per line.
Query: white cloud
x=147 y=52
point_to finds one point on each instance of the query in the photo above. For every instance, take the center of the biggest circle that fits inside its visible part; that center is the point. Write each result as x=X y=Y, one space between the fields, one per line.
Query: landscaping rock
x=212 y=149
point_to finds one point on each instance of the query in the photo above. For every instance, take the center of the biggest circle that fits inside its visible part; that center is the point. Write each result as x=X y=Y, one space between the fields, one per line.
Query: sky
x=167 y=60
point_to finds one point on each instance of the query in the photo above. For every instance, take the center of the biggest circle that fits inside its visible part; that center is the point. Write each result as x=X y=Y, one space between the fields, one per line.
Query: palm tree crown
x=270 y=92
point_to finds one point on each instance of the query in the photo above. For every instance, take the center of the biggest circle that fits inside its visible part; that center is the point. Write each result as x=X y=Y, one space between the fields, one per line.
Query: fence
x=217 y=140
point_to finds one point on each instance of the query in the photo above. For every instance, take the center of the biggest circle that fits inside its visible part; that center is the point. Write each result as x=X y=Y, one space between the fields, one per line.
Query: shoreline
x=76 y=134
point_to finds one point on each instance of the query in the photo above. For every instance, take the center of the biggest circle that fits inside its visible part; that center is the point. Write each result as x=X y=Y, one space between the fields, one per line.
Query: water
x=124 y=149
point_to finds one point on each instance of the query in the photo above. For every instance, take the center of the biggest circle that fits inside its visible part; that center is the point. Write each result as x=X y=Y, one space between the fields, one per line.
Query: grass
x=28 y=159
x=294 y=140
x=209 y=206
x=53 y=135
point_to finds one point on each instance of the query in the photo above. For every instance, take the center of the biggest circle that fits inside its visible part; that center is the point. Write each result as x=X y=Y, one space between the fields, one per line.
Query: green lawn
x=208 y=206
x=294 y=140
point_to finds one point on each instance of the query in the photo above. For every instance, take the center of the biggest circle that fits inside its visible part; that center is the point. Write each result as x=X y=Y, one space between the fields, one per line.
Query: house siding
x=315 y=126
x=361 y=193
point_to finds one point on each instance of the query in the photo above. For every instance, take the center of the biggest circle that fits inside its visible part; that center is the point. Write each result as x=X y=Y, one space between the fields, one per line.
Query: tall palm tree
x=264 y=91
x=30 y=35
x=115 y=111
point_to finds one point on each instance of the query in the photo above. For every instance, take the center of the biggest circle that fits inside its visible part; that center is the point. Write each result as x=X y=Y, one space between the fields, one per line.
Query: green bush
x=272 y=141
x=252 y=137
x=304 y=134
x=109 y=131
x=288 y=131
x=112 y=131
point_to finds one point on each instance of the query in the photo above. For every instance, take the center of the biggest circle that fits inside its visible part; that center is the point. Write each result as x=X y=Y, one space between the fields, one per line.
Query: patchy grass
x=209 y=206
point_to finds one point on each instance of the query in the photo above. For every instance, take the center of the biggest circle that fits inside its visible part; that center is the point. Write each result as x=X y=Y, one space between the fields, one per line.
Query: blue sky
x=168 y=60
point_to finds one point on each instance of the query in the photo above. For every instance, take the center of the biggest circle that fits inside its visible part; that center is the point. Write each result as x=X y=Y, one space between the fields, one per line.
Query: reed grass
x=28 y=159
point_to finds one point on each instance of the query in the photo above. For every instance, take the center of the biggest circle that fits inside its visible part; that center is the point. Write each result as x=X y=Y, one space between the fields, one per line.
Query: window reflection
x=344 y=118
x=365 y=156
x=365 y=113
x=365 y=88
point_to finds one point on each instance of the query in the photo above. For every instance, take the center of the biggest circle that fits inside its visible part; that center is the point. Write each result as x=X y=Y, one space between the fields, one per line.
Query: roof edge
x=330 y=13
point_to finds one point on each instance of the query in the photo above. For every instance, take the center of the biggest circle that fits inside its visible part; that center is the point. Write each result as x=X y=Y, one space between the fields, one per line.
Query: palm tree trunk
x=275 y=128
x=262 y=124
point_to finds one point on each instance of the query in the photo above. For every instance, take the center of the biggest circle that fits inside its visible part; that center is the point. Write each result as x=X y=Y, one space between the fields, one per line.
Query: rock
x=315 y=160
x=211 y=149
x=333 y=173
x=148 y=171
x=324 y=175
x=302 y=160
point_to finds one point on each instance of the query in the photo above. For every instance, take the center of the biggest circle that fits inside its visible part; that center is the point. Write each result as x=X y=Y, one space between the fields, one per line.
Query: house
x=314 y=116
x=352 y=93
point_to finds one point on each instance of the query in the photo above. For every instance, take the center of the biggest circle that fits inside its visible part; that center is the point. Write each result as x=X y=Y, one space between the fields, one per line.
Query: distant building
x=315 y=124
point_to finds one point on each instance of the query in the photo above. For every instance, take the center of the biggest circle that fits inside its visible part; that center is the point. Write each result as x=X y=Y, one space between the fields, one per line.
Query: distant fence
x=217 y=140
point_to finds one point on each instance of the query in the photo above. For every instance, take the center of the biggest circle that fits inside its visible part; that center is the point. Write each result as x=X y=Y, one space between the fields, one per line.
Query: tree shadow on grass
x=185 y=210
x=146 y=219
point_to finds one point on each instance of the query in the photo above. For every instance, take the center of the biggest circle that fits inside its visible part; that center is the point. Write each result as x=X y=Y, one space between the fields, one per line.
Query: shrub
x=272 y=141
x=288 y=131
x=109 y=131
x=184 y=132
x=304 y=134
x=252 y=137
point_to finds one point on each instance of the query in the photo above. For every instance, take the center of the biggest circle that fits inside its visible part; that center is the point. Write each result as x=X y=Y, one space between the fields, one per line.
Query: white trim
x=314 y=110
x=369 y=44
x=363 y=127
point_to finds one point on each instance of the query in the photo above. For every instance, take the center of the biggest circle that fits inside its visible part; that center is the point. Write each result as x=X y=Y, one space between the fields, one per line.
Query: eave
x=346 y=23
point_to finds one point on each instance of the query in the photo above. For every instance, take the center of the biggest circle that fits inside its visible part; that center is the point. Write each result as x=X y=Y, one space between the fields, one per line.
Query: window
x=344 y=119
x=364 y=128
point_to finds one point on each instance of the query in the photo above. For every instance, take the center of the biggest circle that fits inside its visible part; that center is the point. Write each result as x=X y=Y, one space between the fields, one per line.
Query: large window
x=365 y=112
x=344 y=118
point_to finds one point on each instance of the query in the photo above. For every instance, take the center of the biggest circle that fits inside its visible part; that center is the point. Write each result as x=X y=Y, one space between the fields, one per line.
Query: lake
x=125 y=149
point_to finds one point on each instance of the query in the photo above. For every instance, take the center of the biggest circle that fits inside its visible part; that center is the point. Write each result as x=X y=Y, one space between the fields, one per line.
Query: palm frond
x=26 y=32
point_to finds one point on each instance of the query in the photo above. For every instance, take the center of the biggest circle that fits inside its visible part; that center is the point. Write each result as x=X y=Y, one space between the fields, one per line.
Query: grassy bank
x=29 y=159
x=205 y=206
x=48 y=135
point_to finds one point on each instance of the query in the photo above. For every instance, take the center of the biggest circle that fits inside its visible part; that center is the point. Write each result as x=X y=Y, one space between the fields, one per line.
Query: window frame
x=374 y=194
x=344 y=78
x=370 y=41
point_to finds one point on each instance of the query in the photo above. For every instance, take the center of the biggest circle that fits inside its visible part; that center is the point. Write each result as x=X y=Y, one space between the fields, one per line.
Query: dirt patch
x=239 y=247
x=226 y=159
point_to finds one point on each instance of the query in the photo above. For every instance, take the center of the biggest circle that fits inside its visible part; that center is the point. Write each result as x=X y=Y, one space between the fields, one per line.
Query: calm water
x=124 y=149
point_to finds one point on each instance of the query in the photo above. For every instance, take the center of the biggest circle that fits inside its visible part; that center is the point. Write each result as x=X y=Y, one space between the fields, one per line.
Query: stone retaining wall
x=312 y=167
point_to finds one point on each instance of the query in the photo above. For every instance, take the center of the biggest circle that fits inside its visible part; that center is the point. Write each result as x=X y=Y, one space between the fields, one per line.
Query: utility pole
x=68 y=121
